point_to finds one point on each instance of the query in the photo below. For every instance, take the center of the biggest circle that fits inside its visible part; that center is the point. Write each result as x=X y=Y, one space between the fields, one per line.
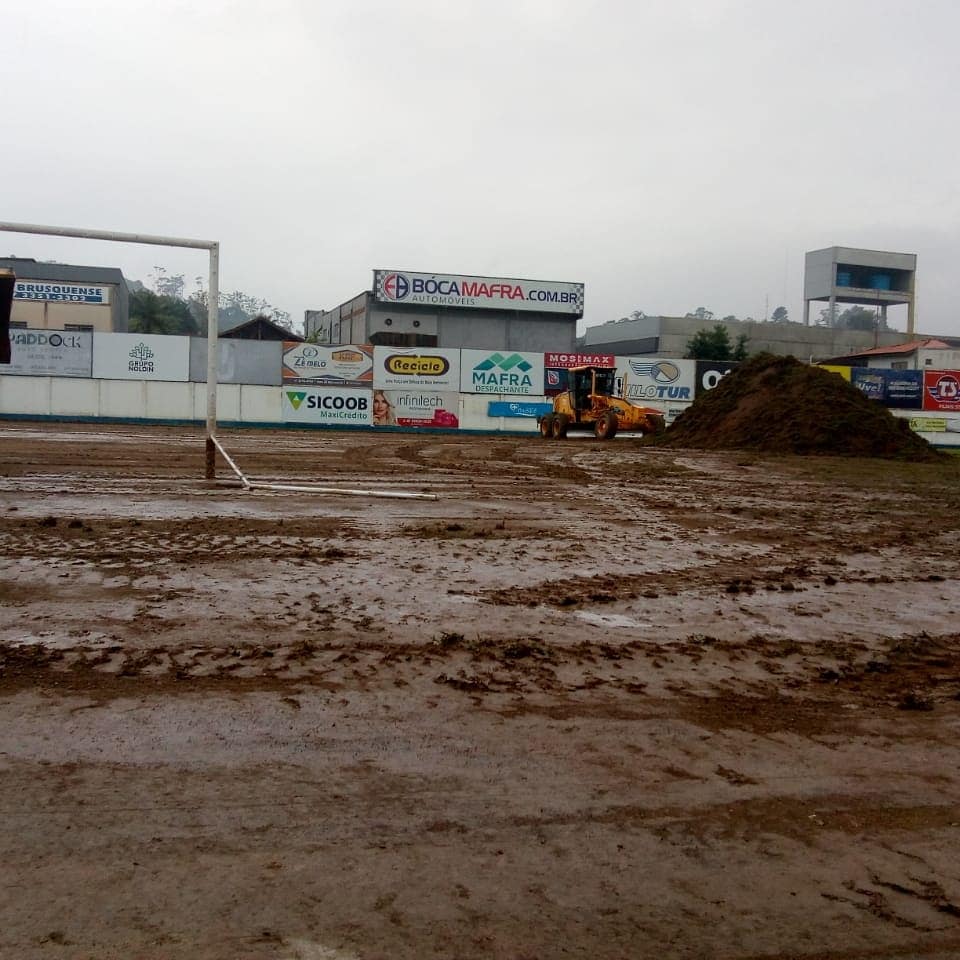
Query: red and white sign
x=941 y=390
x=565 y=361
x=489 y=293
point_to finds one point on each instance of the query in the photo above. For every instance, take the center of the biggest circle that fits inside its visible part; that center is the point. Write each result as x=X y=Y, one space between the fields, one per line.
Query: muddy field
x=596 y=700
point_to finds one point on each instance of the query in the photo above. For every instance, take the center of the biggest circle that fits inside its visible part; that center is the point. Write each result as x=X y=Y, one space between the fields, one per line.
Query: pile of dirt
x=780 y=405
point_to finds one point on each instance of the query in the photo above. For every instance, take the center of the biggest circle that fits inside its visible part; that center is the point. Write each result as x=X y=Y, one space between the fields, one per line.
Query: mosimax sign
x=491 y=293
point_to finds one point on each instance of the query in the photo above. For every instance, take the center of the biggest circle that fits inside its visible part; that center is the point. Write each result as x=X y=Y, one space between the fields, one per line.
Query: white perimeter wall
x=163 y=400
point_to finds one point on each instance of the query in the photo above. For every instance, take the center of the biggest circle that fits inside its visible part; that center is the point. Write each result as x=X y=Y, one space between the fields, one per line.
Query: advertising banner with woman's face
x=416 y=408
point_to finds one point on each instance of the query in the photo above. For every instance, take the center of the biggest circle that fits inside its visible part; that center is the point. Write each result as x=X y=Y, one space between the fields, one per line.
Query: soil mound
x=780 y=405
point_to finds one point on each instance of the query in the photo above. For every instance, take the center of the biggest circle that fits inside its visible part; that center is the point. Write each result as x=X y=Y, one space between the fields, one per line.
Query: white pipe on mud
x=226 y=456
x=344 y=491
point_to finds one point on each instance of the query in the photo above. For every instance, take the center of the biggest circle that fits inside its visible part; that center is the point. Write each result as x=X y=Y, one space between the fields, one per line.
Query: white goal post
x=213 y=298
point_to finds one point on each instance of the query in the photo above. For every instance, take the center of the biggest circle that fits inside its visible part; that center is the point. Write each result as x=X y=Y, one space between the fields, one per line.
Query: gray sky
x=668 y=153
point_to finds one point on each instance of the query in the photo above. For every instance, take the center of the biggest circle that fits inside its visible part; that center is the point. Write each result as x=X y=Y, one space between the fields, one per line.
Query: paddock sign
x=50 y=353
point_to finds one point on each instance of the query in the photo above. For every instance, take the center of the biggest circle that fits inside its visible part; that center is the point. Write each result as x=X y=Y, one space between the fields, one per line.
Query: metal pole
x=212 y=306
x=213 y=315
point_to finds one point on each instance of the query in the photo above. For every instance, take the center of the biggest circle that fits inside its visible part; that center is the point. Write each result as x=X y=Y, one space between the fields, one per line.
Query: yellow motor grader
x=589 y=404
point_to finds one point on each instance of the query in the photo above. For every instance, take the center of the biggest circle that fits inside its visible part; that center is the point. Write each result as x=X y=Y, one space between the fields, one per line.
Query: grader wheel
x=558 y=429
x=606 y=426
x=546 y=426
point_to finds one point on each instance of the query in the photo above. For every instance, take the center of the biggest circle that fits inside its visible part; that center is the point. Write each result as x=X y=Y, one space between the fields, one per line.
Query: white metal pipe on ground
x=226 y=456
x=342 y=491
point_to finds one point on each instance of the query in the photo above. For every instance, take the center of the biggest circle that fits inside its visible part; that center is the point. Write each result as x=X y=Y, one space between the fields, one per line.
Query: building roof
x=897 y=349
x=264 y=327
x=26 y=268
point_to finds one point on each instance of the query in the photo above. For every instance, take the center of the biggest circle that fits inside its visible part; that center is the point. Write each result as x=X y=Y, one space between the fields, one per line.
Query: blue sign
x=504 y=408
x=901 y=389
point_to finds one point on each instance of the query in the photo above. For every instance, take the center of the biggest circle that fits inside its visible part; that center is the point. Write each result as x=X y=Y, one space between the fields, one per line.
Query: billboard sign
x=57 y=292
x=941 y=390
x=488 y=293
x=140 y=356
x=564 y=361
x=50 y=353
x=710 y=373
x=508 y=372
x=869 y=382
x=416 y=408
x=515 y=409
x=903 y=389
x=347 y=365
x=650 y=379
x=426 y=368
x=327 y=405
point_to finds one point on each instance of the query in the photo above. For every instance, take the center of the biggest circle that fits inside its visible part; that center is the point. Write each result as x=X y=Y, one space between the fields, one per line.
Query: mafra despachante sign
x=506 y=372
x=491 y=293
x=56 y=292
x=347 y=365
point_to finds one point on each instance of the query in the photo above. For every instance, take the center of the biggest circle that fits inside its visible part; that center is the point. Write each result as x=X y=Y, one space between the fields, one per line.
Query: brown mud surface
x=598 y=700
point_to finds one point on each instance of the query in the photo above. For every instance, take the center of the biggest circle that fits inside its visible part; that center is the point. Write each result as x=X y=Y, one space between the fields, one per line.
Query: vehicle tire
x=659 y=426
x=558 y=429
x=606 y=426
x=546 y=426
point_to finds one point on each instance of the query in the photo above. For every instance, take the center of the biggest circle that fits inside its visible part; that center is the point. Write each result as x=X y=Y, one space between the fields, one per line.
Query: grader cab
x=590 y=404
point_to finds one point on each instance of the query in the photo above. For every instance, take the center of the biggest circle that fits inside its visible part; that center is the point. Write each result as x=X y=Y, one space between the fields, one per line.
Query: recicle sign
x=328 y=405
x=50 y=353
x=423 y=368
x=348 y=365
x=140 y=356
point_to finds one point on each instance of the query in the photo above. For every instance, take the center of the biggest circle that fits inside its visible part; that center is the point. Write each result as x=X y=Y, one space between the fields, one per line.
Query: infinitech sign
x=50 y=353
x=327 y=405
x=57 y=292
x=416 y=408
x=652 y=379
x=507 y=372
x=490 y=293
x=140 y=356
x=347 y=365
x=426 y=368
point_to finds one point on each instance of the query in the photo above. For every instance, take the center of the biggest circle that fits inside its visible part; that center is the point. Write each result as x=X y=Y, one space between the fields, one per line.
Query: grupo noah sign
x=140 y=356
x=50 y=353
x=490 y=293
x=55 y=292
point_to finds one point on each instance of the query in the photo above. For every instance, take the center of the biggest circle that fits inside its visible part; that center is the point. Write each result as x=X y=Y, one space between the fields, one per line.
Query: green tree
x=701 y=313
x=154 y=313
x=780 y=315
x=714 y=344
x=859 y=318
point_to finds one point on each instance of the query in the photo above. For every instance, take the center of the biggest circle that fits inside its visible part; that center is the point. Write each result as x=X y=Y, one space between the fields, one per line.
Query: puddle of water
x=60 y=642
x=609 y=620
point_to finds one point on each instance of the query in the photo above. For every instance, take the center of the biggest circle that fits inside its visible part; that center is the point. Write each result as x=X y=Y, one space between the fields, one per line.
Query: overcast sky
x=668 y=153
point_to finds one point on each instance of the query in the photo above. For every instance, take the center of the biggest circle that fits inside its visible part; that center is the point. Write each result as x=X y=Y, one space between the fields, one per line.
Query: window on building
x=388 y=338
x=79 y=327
x=929 y=361
x=898 y=365
x=18 y=325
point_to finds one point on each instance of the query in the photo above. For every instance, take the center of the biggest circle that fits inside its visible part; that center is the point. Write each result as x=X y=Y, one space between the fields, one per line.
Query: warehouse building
x=407 y=309
x=62 y=296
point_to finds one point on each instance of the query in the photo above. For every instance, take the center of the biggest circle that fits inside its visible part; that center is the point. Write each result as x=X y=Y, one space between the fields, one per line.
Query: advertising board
x=840 y=371
x=50 y=353
x=941 y=390
x=347 y=365
x=653 y=380
x=900 y=389
x=488 y=293
x=710 y=372
x=327 y=405
x=494 y=371
x=416 y=408
x=556 y=366
x=140 y=356
x=516 y=409
x=60 y=292
x=426 y=368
